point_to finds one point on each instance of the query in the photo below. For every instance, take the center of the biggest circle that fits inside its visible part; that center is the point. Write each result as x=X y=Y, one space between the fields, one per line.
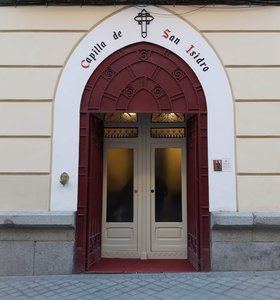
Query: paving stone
x=202 y=286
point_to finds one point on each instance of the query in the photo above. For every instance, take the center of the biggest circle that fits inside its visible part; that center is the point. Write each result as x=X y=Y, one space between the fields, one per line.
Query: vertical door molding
x=89 y=212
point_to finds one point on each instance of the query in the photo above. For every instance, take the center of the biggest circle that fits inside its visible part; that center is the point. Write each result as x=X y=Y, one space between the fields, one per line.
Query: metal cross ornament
x=144 y=19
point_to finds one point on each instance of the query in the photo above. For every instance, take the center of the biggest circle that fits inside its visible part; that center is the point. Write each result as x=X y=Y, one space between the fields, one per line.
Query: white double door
x=144 y=198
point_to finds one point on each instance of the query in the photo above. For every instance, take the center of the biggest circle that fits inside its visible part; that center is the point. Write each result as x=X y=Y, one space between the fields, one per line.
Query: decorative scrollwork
x=178 y=74
x=108 y=73
x=158 y=91
x=121 y=117
x=144 y=54
x=94 y=242
x=117 y=132
x=168 y=133
x=192 y=243
x=129 y=91
x=168 y=118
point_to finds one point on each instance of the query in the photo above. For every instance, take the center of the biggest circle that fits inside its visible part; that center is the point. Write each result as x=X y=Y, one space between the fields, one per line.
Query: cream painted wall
x=35 y=44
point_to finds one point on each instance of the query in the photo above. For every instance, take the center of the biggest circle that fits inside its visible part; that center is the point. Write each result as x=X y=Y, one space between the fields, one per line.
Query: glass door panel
x=119 y=233
x=168 y=210
x=119 y=185
x=168 y=185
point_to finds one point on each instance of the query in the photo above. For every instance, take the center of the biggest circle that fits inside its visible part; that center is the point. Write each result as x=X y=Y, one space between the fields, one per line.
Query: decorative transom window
x=121 y=117
x=119 y=132
x=168 y=132
x=133 y=117
x=168 y=118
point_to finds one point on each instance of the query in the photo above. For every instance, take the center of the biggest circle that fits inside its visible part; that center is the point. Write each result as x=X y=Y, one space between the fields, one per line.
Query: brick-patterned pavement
x=220 y=285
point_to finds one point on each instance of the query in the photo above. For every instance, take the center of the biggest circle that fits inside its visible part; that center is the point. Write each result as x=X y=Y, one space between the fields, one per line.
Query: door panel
x=204 y=215
x=168 y=184
x=168 y=230
x=95 y=192
x=197 y=187
x=120 y=201
x=158 y=227
x=192 y=194
x=119 y=192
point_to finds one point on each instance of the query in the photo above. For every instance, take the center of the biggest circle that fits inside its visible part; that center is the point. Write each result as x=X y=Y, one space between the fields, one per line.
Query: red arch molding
x=146 y=78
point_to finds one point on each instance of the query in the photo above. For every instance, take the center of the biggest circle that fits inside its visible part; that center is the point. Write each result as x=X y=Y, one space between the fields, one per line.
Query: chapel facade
x=137 y=137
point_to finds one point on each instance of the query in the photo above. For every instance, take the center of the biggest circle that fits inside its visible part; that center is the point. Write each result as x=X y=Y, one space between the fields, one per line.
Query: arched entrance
x=142 y=78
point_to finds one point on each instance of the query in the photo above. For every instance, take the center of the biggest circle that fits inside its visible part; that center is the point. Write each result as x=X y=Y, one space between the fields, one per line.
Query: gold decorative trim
x=168 y=132
x=121 y=117
x=168 y=118
x=126 y=132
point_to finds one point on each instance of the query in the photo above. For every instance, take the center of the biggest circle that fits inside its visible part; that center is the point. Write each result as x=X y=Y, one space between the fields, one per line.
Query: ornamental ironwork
x=168 y=133
x=116 y=132
x=121 y=117
x=144 y=19
x=168 y=118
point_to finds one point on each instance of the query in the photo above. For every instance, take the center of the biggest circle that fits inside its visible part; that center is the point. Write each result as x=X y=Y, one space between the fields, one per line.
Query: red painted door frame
x=89 y=213
x=197 y=193
x=147 y=78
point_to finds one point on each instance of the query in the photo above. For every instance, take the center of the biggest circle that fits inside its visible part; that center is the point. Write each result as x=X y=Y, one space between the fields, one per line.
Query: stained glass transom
x=168 y=118
x=168 y=132
x=121 y=117
x=121 y=132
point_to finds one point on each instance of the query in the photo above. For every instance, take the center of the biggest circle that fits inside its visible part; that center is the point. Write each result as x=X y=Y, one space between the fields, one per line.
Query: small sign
x=222 y=165
x=227 y=165
x=217 y=165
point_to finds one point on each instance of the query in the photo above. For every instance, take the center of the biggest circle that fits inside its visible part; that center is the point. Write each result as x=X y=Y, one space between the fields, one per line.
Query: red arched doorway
x=142 y=78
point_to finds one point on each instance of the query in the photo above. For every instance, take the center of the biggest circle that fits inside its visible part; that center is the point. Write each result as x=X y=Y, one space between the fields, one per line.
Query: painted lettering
x=117 y=35
x=172 y=38
x=177 y=41
x=84 y=64
x=197 y=58
x=95 y=51
x=166 y=33
x=192 y=46
x=92 y=56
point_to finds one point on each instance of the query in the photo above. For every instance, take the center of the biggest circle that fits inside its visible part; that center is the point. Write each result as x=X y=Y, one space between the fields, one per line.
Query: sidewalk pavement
x=213 y=285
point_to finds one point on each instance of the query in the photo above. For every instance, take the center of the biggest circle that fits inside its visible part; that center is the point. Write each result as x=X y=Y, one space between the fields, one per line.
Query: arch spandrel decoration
x=143 y=77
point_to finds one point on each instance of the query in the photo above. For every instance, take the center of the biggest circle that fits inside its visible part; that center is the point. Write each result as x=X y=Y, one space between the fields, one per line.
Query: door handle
x=135 y=191
x=152 y=191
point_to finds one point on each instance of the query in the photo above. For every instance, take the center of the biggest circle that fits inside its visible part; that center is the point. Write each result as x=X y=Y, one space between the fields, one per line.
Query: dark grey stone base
x=44 y=243
x=37 y=243
x=245 y=241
